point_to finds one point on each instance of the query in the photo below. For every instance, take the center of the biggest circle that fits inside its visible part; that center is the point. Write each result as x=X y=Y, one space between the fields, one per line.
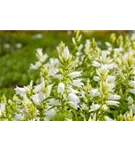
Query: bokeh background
x=17 y=52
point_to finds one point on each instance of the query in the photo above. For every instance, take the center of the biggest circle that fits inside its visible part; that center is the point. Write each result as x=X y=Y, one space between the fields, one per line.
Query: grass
x=14 y=62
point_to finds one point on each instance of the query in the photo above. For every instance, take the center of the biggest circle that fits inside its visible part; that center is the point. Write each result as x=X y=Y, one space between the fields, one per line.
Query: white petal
x=112 y=103
x=113 y=97
x=96 y=64
x=75 y=74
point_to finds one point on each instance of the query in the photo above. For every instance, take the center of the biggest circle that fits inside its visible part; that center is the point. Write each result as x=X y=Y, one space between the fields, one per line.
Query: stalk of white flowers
x=61 y=88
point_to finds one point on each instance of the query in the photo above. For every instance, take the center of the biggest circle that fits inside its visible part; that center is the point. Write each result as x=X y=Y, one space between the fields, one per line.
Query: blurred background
x=17 y=52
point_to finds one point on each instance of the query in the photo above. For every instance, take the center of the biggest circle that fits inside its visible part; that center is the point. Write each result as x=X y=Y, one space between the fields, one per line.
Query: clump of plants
x=85 y=83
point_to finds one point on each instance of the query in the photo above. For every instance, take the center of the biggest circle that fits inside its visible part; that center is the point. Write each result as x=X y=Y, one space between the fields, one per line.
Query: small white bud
x=65 y=53
x=113 y=97
x=94 y=92
x=94 y=107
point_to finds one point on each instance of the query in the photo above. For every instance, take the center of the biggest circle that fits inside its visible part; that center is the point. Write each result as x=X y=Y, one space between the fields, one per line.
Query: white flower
x=73 y=98
x=113 y=97
x=94 y=107
x=39 y=87
x=58 y=76
x=132 y=91
x=50 y=113
x=39 y=52
x=96 y=64
x=18 y=117
x=37 y=98
x=38 y=36
x=99 y=43
x=18 y=45
x=2 y=108
x=120 y=49
x=75 y=74
x=96 y=78
x=132 y=107
x=130 y=100
x=74 y=105
x=108 y=66
x=53 y=61
x=112 y=103
x=20 y=91
x=111 y=79
x=80 y=47
x=65 y=53
x=52 y=72
x=61 y=87
x=105 y=53
x=108 y=118
x=132 y=83
x=111 y=86
x=77 y=83
x=94 y=92
x=36 y=66
x=104 y=107
x=7 y=46
x=88 y=41
x=43 y=58
x=84 y=106
x=54 y=102
x=72 y=90
x=58 y=49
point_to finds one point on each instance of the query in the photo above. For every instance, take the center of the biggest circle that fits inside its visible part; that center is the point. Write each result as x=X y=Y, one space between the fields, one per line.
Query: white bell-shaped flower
x=61 y=87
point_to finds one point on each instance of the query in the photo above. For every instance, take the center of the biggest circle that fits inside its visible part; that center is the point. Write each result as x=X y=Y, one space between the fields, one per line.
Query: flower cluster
x=82 y=84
